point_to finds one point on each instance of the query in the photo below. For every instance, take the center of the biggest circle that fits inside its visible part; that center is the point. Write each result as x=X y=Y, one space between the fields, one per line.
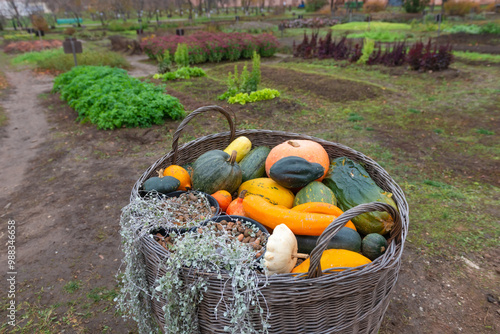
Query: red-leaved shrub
x=213 y=47
x=29 y=46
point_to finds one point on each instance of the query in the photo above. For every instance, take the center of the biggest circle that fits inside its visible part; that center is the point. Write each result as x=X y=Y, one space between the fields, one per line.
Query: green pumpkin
x=373 y=245
x=295 y=172
x=216 y=170
x=315 y=192
x=352 y=185
x=253 y=164
x=346 y=238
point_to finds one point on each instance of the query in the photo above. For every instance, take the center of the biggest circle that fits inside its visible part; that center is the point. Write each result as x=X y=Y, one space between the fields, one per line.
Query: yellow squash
x=269 y=190
x=335 y=258
x=242 y=145
x=269 y=215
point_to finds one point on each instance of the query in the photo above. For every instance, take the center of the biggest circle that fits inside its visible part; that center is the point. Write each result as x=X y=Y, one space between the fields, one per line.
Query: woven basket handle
x=339 y=222
x=231 y=118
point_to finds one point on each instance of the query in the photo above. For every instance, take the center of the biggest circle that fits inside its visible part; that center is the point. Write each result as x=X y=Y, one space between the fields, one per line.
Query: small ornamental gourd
x=162 y=185
x=373 y=245
x=224 y=198
x=307 y=149
x=236 y=207
x=180 y=174
x=216 y=170
x=281 y=251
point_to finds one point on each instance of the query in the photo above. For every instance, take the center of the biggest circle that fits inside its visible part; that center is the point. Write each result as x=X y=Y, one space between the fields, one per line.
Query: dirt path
x=139 y=67
x=26 y=129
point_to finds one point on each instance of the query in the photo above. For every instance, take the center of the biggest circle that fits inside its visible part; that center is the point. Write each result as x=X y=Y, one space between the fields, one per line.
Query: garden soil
x=64 y=184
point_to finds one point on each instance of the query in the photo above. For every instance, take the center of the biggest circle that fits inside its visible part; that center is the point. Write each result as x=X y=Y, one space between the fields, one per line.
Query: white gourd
x=280 y=248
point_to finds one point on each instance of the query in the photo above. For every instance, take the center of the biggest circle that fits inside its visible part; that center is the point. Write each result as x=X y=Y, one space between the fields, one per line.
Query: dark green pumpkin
x=373 y=245
x=163 y=185
x=352 y=186
x=253 y=164
x=216 y=170
x=295 y=172
x=346 y=238
x=315 y=192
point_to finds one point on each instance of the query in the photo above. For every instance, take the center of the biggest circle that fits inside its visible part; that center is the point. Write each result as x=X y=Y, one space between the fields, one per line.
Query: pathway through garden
x=26 y=128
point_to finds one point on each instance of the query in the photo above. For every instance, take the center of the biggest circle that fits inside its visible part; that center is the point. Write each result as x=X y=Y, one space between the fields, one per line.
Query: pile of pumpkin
x=295 y=190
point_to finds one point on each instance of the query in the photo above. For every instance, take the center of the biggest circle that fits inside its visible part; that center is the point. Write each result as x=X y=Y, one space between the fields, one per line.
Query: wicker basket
x=349 y=301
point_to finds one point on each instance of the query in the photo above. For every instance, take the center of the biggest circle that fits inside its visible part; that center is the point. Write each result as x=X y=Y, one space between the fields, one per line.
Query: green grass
x=372 y=26
x=72 y=286
x=485 y=132
x=381 y=35
x=64 y=62
x=34 y=57
x=476 y=56
x=3 y=117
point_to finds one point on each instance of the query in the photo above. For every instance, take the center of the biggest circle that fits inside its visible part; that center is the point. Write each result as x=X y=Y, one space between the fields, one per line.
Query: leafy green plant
x=247 y=82
x=110 y=98
x=164 y=62
x=181 y=55
x=251 y=81
x=182 y=73
x=465 y=28
x=368 y=47
x=414 y=6
x=490 y=28
x=260 y=95
x=380 y=35
x=314 y=5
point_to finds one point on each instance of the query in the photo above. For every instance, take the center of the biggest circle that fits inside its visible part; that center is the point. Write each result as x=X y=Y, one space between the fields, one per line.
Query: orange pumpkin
x=307 y=149
x=180 y=174
x=224 y=198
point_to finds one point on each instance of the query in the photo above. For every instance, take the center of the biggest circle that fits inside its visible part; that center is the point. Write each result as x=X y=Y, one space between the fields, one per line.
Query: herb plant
x=110 y=98
x=182 y=73
x=244 y=88
x=181 y=55
x=197 y=254
x=368 y=47
x=260 y=95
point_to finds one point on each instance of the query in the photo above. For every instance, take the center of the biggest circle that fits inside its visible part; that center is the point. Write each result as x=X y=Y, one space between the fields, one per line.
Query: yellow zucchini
x=242 y=145
x=269 y=190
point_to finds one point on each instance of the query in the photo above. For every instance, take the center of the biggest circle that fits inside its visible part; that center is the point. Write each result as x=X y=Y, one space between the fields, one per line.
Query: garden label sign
x=71 y=45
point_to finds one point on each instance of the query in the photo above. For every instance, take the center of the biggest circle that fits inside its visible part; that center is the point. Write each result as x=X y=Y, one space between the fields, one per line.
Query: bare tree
x=15 y=12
